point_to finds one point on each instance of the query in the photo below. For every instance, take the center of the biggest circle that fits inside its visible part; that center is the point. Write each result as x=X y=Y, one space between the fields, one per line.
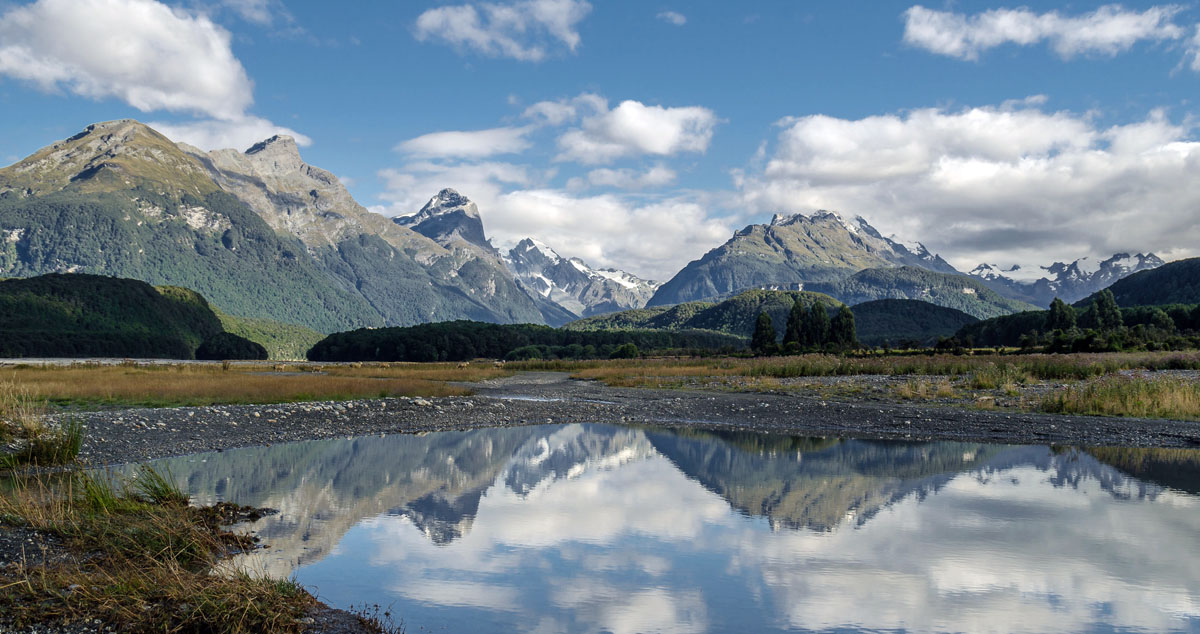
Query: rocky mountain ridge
x=789 y=252
x=1068 y=281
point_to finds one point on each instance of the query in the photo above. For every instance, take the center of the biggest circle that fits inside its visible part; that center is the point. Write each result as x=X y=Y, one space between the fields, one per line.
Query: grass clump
x=925 y=389
x=1161 y=397
x=23 y=423
x=998 y=376
x=139 y=559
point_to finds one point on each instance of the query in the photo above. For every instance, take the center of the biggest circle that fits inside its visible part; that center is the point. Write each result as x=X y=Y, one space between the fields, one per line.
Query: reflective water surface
x=607 y=528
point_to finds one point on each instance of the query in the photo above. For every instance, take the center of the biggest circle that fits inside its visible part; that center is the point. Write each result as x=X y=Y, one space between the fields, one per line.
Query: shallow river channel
x=605 y=528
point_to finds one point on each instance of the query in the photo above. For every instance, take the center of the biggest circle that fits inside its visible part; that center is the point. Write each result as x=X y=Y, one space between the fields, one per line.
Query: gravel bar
x=135 y=435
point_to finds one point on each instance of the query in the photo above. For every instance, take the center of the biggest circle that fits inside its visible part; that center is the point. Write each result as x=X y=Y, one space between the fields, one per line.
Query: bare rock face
x=447 y=218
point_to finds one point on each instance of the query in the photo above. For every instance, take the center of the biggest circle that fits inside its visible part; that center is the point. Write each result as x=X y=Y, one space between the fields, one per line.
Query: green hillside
x=898 y=321
x=909 y=282
x=1172 y=283
x=735 y=315
x=80 y=315
x=282 y=341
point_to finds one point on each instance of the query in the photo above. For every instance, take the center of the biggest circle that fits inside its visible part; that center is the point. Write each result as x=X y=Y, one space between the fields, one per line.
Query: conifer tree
x=816 y=330
x=1108 y=314
x=795 y=324
x=1061 y=317
x=842 y=331
x=763 y=341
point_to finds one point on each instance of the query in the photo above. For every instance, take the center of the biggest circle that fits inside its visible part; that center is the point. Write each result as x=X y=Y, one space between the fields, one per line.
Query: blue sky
x=639 y=135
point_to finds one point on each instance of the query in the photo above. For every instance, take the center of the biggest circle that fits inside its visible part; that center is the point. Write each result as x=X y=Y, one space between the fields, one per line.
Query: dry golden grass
x=925 y=389
x=987 y=371
x=1162 y=397
x=209 y=384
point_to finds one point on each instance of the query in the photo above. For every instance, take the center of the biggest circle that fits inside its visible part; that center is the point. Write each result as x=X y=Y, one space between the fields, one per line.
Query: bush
x=626 y=351
x=227 y=345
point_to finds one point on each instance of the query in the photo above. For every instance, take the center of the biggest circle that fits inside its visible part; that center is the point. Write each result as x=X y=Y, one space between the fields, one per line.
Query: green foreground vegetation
x=135 y=555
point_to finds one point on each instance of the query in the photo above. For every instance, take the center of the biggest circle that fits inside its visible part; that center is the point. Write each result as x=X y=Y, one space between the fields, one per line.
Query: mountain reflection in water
x=600 y=527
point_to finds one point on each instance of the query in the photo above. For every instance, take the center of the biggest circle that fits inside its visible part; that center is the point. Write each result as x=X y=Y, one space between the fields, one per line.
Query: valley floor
x=859 y=407
x=865 y=406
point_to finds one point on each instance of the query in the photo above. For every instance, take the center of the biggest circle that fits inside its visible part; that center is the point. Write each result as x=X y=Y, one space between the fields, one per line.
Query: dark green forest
x=463 y=340
x=79 y=315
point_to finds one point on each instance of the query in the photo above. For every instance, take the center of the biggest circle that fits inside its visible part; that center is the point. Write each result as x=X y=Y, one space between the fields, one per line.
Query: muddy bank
x=534 y=398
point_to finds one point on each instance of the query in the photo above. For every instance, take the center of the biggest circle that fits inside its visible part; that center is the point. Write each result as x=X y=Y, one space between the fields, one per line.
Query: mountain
x=789 y=254
x=1069 y=282
x=908 y=282
x=1176 y=282
x=448 y=217
x=261 y=233
x=897 y=321
x=736 y=315
x=82 y=315
x=574 y=285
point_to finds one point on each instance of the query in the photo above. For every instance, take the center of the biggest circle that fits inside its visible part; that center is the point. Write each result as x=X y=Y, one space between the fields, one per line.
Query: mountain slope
x=736 y=315
x=950 y=290
x=1069 y=282
x=791 y=252
x=120 y=199
x=574 y=285
x=261 y=233
x=405 y=276
x=1172 y=283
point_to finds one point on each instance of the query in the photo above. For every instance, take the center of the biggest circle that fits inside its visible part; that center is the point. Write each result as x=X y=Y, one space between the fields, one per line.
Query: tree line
x=463 y=340
x=808 y=329
x=1102 y=326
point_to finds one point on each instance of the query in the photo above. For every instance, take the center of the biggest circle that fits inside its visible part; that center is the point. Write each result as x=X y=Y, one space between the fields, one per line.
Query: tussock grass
x=130 y=385
x=141 y=560
x=986 y=370
x=1161 y=397
x=23 y=420
x=993 y=376
x=925 y=389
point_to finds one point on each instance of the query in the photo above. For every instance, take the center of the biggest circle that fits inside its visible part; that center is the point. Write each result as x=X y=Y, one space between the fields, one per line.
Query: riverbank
x=135 y=435
x=864 y=407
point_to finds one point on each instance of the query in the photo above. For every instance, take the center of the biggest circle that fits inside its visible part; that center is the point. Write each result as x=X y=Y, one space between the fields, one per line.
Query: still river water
x=602 y=528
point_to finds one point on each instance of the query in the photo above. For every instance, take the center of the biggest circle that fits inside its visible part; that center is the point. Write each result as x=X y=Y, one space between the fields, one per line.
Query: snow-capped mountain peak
x=1069 y=281
x=573 y=284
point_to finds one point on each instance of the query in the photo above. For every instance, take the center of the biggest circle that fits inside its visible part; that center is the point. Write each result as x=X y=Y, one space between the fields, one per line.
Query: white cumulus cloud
x=240 y=134
x=143 y=52
x=625 y=178
x=673 y=17
x=634 y=129
x=468 y=144
x=520 y=30
x=1011 y=183
x=1108 y=30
